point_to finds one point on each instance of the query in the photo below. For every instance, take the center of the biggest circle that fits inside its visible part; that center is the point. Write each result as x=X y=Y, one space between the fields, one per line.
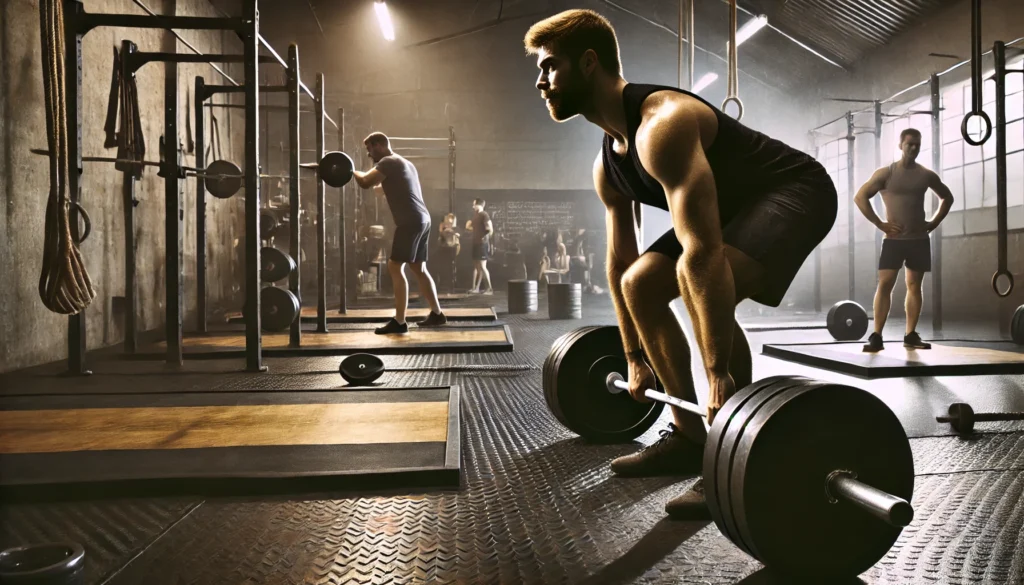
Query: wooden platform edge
x=779 y=351
x=453 y=446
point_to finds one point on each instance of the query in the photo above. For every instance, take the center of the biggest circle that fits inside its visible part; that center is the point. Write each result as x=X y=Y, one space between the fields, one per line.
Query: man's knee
x=914 y=281
x=395 y=267
x=886 y=282
x=417 y=268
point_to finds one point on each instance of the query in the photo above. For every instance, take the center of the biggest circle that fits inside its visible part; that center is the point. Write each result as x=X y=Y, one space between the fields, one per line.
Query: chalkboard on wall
x=514 y=219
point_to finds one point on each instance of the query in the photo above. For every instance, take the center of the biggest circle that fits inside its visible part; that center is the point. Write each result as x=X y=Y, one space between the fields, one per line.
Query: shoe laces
x=665 y=436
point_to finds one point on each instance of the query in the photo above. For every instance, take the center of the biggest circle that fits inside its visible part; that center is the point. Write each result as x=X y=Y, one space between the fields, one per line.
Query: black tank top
x=745 y=162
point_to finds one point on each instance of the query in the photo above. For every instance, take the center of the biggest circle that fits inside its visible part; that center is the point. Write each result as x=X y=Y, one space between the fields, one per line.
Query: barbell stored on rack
x=224 y=178
x=811 y=478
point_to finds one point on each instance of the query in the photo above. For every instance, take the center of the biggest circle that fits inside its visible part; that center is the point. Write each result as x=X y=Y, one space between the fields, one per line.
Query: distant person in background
x=482 y=229
x=450 y=246
x=903 y=185
x=400 y=184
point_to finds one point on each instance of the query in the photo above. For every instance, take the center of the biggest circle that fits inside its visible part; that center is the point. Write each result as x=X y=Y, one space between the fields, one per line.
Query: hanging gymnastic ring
x=739 y=104
x=987 y=124
x=995 y=282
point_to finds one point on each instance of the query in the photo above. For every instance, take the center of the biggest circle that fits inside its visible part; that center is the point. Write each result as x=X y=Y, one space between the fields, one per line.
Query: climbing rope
x=64 y=283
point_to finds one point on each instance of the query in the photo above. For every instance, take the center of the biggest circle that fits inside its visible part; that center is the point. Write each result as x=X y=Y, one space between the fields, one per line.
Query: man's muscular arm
x=670 y=148
x=945 y=195
x=623 y=251
x=863 y=200
x=369 y=179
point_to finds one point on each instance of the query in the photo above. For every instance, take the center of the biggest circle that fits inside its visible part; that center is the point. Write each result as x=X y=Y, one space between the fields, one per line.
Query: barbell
x=962 y=417
x=811 y=478
x=224 y=178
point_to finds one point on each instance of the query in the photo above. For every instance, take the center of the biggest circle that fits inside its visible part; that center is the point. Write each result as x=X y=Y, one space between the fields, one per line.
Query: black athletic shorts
x=916 y=254
x=778 y=229
x=481 y=250
x=410 y=243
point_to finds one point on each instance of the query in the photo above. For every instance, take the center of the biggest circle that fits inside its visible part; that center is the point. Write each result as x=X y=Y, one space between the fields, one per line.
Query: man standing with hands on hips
x=903 y=185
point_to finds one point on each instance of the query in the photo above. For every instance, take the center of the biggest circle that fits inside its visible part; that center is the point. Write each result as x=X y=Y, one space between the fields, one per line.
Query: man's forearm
x=630 y=336
x=709 y=281
x=942 y=211
x=864 y=205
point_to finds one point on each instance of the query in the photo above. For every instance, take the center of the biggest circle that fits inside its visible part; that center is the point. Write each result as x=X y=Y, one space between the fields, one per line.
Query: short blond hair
x=573 y=32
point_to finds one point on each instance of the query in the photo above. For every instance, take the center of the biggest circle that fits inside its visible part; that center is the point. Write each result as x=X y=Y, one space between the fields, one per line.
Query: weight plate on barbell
x=1017 y=326
x=279 y=308
x=716 y=464
x=335 y=169
x=275 y=264
x=586 y=406
x=847 y=321
x=780 y=465
x=223 y=178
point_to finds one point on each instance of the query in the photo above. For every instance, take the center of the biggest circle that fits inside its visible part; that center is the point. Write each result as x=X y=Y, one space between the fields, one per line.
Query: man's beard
x=568 y=102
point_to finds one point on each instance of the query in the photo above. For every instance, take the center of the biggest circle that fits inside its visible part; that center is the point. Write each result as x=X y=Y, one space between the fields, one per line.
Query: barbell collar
x=842 y=485
x=615 y=381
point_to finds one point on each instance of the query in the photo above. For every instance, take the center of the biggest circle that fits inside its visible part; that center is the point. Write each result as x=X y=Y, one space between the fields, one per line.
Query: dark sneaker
x=433 y=320
x=689 y=505
x=913 y=341
x=874 y=343
x=672 y=454
x=392 y=326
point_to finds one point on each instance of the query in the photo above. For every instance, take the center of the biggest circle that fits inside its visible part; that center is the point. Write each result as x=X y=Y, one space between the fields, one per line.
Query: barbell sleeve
x=615 y=380
x=843 y=485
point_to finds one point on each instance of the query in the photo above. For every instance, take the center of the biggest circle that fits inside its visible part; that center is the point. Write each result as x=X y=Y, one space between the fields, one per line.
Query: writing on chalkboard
x=519 y=218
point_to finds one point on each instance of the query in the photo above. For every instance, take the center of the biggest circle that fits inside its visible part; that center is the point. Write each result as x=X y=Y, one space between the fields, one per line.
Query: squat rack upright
x=78 y=23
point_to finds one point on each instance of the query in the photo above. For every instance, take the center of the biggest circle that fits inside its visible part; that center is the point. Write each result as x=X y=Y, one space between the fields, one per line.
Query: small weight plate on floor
x=361 y=368
x=279 y=308
x=847 y=321
x=275 y=264
x=585 y=405
x=782 y=460
x=223 y=179
x=1017 y=326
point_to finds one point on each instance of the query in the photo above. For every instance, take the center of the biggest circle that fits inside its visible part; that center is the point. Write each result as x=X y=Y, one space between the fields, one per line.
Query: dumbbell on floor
x=962 y=417
x=797 y=472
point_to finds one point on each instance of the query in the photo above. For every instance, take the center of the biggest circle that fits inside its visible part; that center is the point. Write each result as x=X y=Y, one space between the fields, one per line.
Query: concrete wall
x=29 y=333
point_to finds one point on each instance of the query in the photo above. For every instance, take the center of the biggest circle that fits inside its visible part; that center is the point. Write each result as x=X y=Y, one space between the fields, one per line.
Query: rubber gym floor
x=536 y=503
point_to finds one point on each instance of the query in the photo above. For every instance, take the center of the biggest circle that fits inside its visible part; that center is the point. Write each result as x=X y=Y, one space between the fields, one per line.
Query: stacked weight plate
x=565 y=300
x=522 y=296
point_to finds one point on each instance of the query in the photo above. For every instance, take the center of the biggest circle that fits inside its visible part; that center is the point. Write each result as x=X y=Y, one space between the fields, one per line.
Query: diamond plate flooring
x=537 y=504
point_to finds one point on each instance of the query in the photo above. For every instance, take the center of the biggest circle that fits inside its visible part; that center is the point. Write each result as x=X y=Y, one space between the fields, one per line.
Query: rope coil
x=64 y=283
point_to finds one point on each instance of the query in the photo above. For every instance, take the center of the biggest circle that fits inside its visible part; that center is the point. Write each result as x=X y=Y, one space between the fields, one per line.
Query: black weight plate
x=590 y=410
x=268 y=224
x=847 y=321
x=223 y=179
x=720 y=449
x=361 y=368
x=782 y=461
x=550 y=371
x=279 y=308
x=275 y=264
x=335 y=169
x=1017 y=326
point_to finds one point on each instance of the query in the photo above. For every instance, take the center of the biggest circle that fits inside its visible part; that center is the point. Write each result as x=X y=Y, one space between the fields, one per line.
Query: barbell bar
x=224 y=178
x=962 y=417
x=839 y=485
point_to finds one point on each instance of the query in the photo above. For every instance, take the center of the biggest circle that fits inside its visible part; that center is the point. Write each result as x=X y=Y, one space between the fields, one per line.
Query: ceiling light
x=384 y=18
x=706 y=80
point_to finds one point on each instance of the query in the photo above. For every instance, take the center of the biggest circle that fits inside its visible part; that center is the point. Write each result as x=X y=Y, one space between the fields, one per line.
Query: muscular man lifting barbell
x=746 y=212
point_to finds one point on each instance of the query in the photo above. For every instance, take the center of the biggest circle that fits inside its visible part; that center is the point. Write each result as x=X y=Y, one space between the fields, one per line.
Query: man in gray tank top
x=400 y=183
x=903 y=185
